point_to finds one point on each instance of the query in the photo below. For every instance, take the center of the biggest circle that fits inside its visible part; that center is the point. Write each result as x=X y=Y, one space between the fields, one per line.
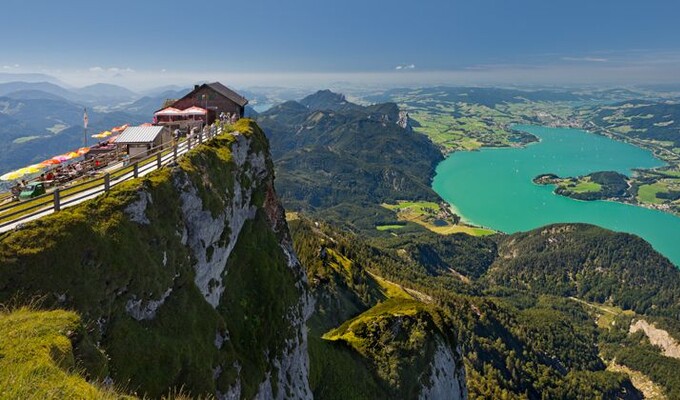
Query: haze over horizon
x=305 y=43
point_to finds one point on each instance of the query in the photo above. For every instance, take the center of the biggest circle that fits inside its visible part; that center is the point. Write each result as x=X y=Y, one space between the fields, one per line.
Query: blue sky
x=495 y=40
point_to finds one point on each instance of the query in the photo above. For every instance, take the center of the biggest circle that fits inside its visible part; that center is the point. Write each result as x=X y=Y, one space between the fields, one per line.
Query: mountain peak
x=327 y=100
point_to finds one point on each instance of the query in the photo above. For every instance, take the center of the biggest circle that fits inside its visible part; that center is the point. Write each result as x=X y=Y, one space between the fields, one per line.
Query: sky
x=296 y=42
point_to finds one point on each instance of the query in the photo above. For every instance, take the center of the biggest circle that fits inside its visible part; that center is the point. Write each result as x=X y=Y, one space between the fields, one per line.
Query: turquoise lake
x=494 y=188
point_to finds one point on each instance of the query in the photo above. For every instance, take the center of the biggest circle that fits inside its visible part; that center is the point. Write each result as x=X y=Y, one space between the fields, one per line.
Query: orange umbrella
x=51 y=161
x=120 y=128
x=83 y=150
x=146 y=124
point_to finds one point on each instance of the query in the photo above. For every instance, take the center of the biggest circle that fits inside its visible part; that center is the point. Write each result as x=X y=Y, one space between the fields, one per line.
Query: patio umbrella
x=170 y=111
x=120 y=128
x=61 y=158
x=101 y=135
x=10 y=176
x=72 y=155
x=195 y=111
x=31 y=169
x=146 y=124
x=83 y=150
x=50 y=161
x=35 y=168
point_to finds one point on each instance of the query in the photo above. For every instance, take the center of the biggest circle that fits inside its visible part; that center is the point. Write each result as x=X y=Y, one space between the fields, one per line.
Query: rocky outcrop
x=405 y=121
x=658 y=337
x=447 y=376
x=204 y=234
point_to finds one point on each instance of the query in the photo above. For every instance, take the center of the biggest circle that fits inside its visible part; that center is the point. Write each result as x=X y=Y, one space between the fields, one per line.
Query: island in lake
x=613 y=186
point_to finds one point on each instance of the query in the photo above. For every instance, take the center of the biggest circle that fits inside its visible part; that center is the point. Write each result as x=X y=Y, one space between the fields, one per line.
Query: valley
x=403 y=295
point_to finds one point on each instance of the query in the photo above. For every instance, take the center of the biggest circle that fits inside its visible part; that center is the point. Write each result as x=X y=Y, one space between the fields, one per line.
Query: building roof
x=139 y=134
x=228 y=93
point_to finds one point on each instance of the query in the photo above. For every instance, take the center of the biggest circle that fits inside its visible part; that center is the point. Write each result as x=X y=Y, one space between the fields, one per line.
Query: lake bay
x=494 y=188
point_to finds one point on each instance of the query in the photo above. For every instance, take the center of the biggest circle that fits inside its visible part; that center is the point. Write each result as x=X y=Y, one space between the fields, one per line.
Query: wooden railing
x=13 y=214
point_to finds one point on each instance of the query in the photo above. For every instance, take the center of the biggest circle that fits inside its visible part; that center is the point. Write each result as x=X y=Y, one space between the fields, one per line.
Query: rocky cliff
x=185 y=279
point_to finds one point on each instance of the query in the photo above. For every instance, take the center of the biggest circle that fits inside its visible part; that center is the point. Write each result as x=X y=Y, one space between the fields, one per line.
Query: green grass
x=451 y=229
x=25 y=139
x=391 y=290
x=416 y=206
x=474 y=127
x=393 y=307
x=586 y=186
x=647 y=193
x=424 y=213
x=37 y=357
x=383 y=228
x=397 y=338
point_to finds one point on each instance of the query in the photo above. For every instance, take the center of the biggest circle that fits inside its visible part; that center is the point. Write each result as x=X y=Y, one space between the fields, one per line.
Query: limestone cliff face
x=187 y=277
x=447 y=375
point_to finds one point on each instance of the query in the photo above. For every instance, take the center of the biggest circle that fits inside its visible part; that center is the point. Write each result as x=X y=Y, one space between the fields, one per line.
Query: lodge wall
x=216 y=103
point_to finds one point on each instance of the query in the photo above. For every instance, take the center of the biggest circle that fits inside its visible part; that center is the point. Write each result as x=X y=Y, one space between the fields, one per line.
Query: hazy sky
x=145 y=43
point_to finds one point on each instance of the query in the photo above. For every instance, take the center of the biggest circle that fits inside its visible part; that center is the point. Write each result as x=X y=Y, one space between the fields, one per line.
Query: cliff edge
x=183 y=280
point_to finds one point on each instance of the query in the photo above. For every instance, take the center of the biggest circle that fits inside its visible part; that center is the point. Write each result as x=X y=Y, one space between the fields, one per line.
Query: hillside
x=642 y=119
x=514 y=343
x=33 y=128
x=163 y=274
x=590 y=263
x=347 y=159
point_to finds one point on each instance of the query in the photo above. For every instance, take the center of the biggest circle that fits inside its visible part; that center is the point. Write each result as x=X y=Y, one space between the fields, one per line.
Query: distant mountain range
x=41 y=119
x=100 y=94
x=33 y=129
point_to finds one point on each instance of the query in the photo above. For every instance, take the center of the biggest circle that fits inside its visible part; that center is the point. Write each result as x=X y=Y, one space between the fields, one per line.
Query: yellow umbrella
x=71 y=155
x=10 y=176
x=31 y=169
x=102 y=135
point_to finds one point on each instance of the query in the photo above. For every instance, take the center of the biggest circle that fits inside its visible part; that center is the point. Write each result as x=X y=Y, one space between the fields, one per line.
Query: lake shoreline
x=494 y=189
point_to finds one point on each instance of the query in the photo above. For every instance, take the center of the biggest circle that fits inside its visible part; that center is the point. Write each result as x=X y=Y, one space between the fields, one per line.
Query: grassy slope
x=37 y=357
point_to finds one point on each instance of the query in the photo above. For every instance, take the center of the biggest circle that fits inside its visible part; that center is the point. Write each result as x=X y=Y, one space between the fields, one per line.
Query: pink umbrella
x=61 y=158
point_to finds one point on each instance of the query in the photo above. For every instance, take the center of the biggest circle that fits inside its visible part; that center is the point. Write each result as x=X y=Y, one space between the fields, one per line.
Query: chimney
x=196 y=87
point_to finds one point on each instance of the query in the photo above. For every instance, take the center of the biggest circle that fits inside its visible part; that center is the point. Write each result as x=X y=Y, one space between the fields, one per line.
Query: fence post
x=158 y=161
x=189 y=142
x=200 y=137
x=107 y=182
x=135 y=170
x=57 y=203
x=174 y=152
